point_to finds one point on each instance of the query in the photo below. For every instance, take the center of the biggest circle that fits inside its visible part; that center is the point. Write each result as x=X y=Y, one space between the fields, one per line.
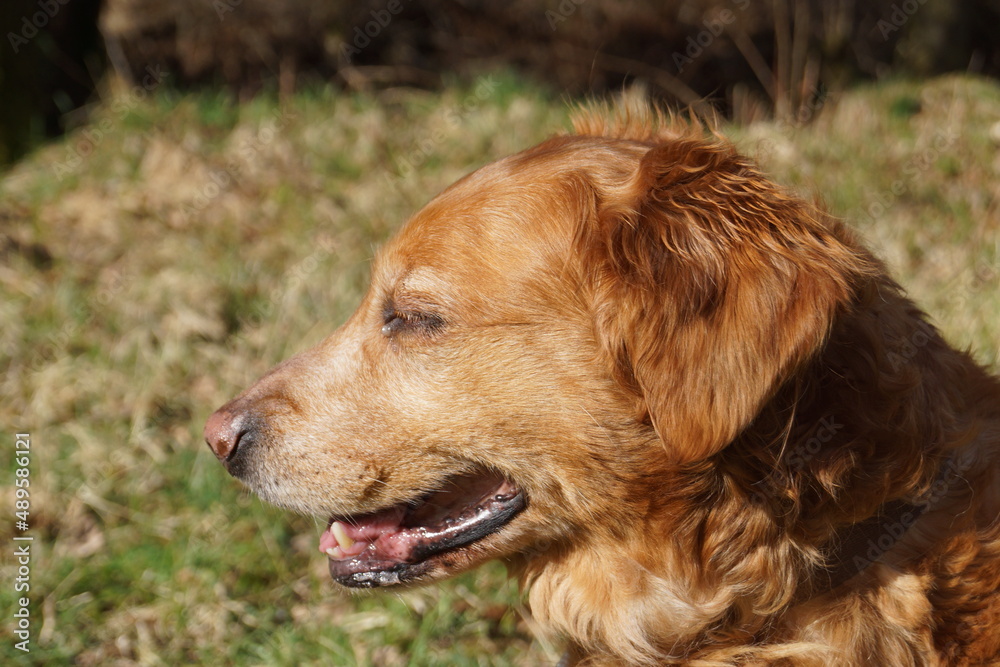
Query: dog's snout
x=223 y=432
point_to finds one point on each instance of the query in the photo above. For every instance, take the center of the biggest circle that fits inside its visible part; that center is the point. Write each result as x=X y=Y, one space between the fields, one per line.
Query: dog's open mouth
x=396 y=544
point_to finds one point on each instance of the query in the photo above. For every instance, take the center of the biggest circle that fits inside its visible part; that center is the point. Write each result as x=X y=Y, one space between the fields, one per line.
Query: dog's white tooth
x=337 y=529
x=332 y=554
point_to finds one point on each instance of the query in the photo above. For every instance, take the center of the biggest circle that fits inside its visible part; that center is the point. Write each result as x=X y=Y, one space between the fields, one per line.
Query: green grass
x=200 y=241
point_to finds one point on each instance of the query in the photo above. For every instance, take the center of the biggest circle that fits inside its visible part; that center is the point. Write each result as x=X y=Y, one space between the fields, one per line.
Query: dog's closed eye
x=401 y=321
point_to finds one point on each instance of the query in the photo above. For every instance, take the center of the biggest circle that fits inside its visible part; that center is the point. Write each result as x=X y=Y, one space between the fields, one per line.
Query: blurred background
x=191 y=191
x=745 y=58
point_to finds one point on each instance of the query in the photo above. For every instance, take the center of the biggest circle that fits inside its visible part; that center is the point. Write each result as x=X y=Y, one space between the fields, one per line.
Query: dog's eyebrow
x=418 y=289
x=414 y=281
x=407 y=297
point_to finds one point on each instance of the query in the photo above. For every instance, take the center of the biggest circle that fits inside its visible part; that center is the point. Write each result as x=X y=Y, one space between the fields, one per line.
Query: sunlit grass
x=195 y=242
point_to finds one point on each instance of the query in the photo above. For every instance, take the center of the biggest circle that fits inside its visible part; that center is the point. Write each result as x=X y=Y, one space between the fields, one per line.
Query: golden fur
x=698 y=381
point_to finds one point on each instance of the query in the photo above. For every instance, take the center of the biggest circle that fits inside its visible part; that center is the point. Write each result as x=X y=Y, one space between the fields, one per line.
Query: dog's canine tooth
x=343 y=539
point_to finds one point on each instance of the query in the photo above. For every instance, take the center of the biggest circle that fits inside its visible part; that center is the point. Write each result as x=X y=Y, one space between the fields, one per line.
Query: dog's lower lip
x=398 y=543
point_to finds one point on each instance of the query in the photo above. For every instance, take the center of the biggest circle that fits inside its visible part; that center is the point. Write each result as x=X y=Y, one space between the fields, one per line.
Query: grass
x=152 y=269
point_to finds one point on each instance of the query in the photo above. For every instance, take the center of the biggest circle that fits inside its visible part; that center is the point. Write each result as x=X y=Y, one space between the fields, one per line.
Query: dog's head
x=541 y=349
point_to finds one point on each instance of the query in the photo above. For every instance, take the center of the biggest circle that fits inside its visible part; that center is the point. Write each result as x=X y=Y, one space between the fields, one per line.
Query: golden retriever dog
x=687 y=409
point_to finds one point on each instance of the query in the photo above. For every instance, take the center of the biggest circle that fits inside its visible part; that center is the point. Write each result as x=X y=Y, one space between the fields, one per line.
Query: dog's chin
x=436 y=535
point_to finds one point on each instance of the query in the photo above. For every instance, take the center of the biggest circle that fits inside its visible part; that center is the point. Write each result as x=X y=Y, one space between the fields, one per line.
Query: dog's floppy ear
x=710 y=288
